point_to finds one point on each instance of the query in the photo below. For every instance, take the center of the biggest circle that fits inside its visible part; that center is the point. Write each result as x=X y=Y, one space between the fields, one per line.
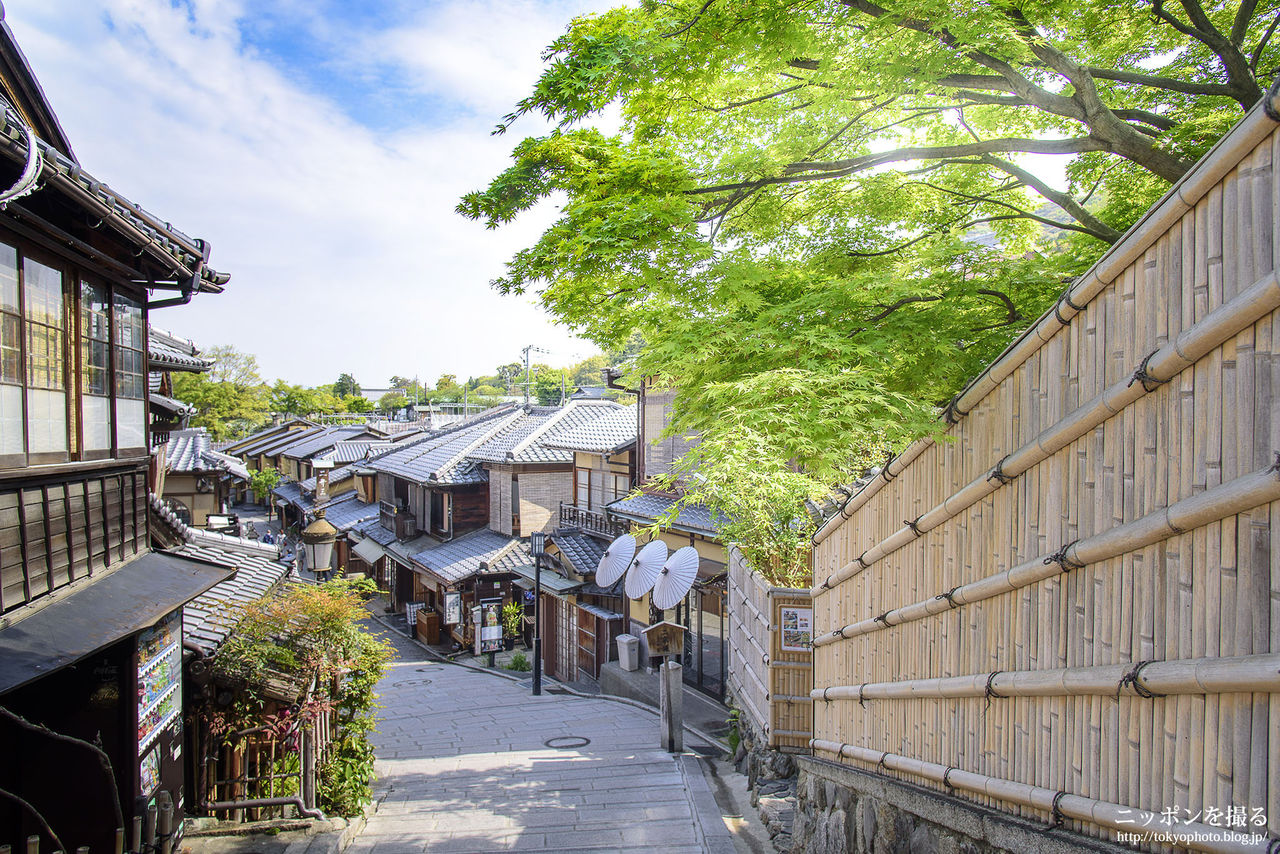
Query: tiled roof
x=373 y=530
x=404 y=551
x=461 y=558
x=590 y=392
x=322 y=441
x=608 y=433
x=345 y=513
x=274 y=444
x=187 y=449
x=647 y=508
x=289 y=491
x=209 y=619
x=336 y=476
x=440 y=457
x=582 y=552
x=191 y=451
x=525 y=440
x=167 y=352
x=170 y=405
x=264 y=433
x=351 y=451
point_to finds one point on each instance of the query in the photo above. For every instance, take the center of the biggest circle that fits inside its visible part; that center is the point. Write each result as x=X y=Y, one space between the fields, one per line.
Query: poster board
x=490 y=632
x=797 y=628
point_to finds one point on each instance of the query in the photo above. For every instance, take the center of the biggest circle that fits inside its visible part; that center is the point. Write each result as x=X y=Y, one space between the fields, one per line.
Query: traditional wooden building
x=90 y=616
x=198 y=480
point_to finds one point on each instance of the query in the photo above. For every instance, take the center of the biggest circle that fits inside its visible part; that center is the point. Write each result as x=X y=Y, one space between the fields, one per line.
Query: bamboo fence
x=771 y=685
x=1070 y=610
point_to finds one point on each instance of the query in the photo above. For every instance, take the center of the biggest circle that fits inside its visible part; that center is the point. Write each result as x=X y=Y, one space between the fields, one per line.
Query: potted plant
x=512 y=622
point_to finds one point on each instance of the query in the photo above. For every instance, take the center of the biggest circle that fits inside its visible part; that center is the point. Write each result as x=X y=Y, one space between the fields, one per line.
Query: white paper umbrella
x=645 y=568
x=675 y=578
x=616 y=560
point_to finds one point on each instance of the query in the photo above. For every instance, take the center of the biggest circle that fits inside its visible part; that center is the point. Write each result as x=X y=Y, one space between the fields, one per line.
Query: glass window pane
x=43 y=292
x=128 y=322
x=131 y=426
x=10 y=419
x=8 y=278
x=10 y=348
x=95 y=312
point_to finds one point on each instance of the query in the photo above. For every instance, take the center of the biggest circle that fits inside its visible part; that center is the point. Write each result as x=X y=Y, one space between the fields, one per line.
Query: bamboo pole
x=1228 y=320
x=1244 y=493
x=1113 y=816
x=1259 y=672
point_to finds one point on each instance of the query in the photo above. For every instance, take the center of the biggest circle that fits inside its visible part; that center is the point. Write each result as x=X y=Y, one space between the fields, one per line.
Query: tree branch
x=1092 y=225
x=1158 y=82
x=839 y=168
x=694 y=20
x=735 y=104
x=1266 y=37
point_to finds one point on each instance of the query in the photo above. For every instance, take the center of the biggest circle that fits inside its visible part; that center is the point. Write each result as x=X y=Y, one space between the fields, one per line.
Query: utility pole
x=527 y=381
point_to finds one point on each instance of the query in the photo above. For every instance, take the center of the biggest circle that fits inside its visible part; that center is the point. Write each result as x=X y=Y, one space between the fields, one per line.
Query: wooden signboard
x=665 y=638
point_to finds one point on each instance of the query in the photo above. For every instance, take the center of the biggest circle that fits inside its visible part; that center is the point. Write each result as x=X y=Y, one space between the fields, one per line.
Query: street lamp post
x=318 y=537
x=537 y=545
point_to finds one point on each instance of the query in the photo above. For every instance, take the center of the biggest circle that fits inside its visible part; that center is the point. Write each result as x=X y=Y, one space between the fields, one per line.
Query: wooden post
x=671 y=703
x=308 y=768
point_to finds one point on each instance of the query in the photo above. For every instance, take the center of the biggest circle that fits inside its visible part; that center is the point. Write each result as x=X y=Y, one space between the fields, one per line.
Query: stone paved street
x=469 y=761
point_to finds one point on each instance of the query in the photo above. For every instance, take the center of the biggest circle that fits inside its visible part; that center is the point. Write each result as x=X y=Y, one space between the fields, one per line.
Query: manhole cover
x=566 y=742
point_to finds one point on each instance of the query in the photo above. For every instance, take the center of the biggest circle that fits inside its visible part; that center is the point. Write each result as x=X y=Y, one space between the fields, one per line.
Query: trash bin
x=629 y=652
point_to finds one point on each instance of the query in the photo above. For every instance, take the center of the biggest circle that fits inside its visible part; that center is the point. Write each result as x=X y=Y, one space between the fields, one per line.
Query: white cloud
x=322 y=222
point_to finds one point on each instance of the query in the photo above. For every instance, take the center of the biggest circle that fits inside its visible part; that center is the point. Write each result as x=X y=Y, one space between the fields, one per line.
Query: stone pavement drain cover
x=566 y=742
x=403 y=682
x=427 y=669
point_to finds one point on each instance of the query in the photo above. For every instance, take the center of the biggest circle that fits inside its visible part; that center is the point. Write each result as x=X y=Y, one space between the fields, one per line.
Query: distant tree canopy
x=346 y=386
x=229 y=398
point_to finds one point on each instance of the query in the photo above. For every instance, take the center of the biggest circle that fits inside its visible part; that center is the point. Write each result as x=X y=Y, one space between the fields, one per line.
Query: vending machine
x=159 y=687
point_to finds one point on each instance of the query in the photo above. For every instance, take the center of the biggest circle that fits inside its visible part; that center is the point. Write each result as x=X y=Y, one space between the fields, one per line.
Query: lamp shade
x=317 y=540
x=537 y=543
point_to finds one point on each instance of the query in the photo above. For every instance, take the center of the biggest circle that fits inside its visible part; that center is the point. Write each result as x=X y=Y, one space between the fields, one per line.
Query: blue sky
x=320 y=146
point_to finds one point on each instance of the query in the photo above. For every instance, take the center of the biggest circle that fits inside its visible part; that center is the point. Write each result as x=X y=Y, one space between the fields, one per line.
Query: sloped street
x=469 y=761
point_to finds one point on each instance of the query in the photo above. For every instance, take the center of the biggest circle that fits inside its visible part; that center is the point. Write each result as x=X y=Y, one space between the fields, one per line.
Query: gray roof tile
x=526 y=440
x=322 y=441
x=647 y=508
x=208 y=620
x=610 y=432
x=439 y=457
x=462 y=557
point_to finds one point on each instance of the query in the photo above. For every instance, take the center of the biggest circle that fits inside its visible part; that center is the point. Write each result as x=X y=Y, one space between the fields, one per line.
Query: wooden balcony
x=592 y=521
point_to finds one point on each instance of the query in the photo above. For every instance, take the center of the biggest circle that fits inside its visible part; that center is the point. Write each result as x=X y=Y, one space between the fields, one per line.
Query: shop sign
x=452 y=609
x=491 y=625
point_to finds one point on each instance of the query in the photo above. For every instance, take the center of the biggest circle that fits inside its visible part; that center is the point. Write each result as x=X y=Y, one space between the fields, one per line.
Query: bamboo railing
x=1068 y=610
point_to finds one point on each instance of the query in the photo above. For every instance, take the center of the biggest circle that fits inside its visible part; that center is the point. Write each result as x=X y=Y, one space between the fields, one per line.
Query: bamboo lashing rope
x=1180 y=198
x=1149 y=679
x=1229 y=499
x=1195 y=342
x=1118 y=817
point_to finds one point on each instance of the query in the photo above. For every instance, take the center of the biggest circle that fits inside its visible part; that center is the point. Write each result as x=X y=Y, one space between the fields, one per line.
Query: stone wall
x=842 y=810
x=771 y=778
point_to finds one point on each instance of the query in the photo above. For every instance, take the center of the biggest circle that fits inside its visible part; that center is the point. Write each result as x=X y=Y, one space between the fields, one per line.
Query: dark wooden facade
x=82 y=598
x=61 y=528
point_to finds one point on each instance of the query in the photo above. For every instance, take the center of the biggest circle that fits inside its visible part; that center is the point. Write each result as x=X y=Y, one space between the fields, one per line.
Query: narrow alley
x=470 y=761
